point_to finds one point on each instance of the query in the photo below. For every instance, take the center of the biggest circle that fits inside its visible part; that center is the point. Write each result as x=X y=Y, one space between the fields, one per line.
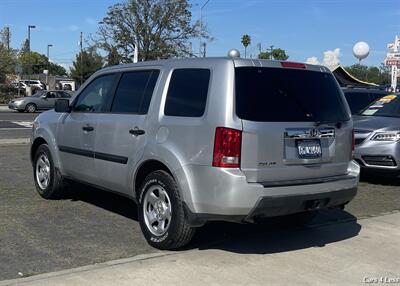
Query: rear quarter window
x=187 y=93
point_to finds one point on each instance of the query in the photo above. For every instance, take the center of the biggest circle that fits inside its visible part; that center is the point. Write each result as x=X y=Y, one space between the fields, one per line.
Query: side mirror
x=43 y=96
x=62 y=106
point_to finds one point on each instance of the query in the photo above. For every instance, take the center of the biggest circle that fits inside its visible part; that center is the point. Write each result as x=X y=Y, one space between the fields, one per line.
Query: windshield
x=39 y=93
x=288 y=95
x=388 y=106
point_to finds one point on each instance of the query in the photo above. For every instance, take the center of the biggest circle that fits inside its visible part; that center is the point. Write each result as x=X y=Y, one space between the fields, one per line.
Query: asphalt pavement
x=15 y=125
x=349 y=253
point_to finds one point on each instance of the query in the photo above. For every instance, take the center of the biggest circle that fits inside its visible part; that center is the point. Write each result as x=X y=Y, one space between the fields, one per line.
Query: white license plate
x=309 y=149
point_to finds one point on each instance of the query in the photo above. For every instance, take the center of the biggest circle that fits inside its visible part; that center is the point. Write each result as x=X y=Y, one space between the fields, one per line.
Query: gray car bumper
x=224 y=194
x=382 y=158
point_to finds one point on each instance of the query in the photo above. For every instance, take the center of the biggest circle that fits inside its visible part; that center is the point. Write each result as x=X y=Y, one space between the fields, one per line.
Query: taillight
x=293 y=65
x=353 y=143
x=227 y=148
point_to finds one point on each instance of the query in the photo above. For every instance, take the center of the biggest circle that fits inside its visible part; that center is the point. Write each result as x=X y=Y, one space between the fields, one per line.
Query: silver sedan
x=42 y=100
x=377 y=136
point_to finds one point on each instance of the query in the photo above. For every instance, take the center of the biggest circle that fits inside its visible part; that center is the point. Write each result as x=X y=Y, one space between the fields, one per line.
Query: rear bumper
x=224 y=194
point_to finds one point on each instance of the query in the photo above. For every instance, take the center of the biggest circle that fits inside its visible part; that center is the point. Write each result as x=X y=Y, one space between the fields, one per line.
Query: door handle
x=136 y=131
x=87 y=128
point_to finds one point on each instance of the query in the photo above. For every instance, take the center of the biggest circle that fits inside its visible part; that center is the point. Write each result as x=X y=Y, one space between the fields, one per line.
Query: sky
x=304 y=28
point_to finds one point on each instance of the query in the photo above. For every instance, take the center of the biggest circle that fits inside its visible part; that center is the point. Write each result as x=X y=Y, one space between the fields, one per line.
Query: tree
x=85 y=64
x=246 y=41
x=25 y=47
x=8 y=60
x=8 y=57
x=276 y=54
x=161 y=29
x=32 y=62
x=113 y=58
x=55 y=69
x=379 y=75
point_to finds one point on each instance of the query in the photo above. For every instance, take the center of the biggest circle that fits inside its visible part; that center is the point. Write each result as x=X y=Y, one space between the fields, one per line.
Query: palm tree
x=246 y=41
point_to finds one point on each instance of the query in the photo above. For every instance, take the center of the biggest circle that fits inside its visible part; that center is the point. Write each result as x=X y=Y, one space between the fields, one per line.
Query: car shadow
x=371 y=178
x=112 y=202
x=270 y=236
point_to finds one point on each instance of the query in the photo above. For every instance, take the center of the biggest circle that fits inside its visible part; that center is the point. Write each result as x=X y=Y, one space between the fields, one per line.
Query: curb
x=141 y=257
x=14 y=141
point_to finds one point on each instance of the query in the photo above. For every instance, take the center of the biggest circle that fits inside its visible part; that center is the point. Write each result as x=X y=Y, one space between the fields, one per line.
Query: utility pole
x=81 y=56
x=204 y=49
x=7 y=37
x=259 y=49
x=48 y=51
x=201 y=28
x=29 y=36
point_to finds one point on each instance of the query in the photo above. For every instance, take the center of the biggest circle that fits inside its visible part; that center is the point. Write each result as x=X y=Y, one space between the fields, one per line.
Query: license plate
x=309 y=149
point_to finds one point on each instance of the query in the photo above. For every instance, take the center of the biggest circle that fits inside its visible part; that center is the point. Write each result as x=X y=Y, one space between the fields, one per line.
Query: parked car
x=377 y=136
x=41 y=100
x=359 y=98
x=35 y=84
x=198 y=140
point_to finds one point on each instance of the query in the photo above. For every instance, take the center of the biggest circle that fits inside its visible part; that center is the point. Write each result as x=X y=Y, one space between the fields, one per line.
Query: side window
x=61 y=94
x=187 y=92
x=134 y=92
x=51 y=95
x=94 y=96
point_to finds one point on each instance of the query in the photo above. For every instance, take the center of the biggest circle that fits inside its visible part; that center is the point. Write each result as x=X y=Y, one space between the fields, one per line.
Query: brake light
x=293 y=65
x=227 y=148
x=353 y=144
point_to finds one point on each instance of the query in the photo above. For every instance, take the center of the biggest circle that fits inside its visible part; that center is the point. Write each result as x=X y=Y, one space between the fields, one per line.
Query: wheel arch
x=144 y=169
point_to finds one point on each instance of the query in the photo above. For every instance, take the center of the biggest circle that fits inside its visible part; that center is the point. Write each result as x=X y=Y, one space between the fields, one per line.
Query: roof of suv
x=191 y=62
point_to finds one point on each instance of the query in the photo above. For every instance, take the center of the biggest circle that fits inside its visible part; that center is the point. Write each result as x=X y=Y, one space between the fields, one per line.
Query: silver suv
x=198 y=140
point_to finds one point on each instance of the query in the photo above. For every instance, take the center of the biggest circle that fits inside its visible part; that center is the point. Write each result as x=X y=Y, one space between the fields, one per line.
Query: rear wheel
x=30 y=107
x=48 y=182
x=161 y=215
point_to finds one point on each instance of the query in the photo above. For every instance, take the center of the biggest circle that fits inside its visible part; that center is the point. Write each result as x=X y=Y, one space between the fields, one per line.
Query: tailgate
x=270 y=151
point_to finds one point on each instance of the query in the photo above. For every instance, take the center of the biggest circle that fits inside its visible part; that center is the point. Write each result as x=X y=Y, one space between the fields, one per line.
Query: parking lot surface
x=89 y=226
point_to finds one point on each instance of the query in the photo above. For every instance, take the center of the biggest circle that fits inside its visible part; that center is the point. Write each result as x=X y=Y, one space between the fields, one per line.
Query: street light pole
x=201 y=26
x=48 y=56
x=29 y=36
x=48 y=51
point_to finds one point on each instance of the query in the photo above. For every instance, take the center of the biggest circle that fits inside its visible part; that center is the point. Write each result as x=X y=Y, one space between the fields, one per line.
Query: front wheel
x=48 y=182
x=161 y=214
x=30 y=107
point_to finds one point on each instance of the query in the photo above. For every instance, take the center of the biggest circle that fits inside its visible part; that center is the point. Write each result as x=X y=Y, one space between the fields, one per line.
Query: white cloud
x=313 y=61
x=330 y=60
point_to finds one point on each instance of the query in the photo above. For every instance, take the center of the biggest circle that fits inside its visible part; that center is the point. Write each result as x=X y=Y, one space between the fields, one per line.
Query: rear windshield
x=278 y=94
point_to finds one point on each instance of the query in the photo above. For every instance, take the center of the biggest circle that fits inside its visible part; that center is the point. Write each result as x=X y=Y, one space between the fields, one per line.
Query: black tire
x=54 y=189
x=179 y=233
x=30 y=107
